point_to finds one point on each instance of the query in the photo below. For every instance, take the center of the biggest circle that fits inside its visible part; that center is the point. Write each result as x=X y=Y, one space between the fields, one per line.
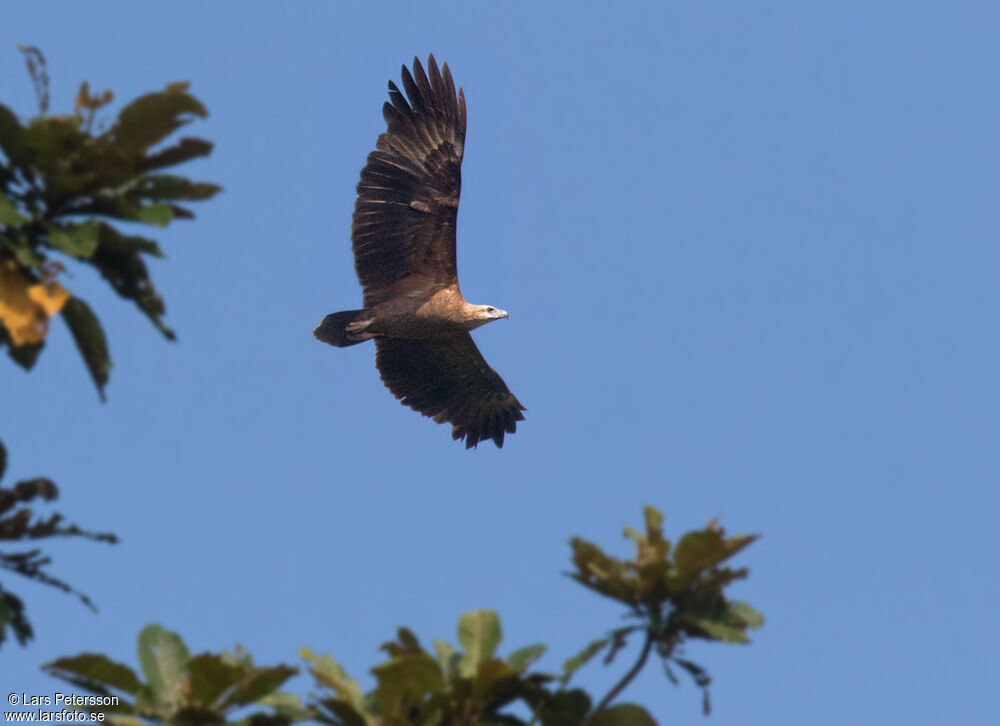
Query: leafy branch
x=676 y=594
x=181 y=688
x=62 y=183
x=22 y=525
x=64 y=180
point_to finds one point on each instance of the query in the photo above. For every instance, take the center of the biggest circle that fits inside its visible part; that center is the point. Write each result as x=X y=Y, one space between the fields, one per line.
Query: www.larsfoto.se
x=40 y=716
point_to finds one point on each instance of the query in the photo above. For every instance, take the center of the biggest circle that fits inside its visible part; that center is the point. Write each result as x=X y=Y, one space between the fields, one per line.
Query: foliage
x=19 y=525
x=468 y=684
x=179 y=688
x=675 y=598
x=62 y=181
x=675 y=594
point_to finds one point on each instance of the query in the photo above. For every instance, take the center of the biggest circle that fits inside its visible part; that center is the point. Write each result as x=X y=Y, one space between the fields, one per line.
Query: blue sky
x=750 y=260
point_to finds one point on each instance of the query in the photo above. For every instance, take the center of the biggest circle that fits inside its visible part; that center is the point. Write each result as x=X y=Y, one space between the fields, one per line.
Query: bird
x=403 y=240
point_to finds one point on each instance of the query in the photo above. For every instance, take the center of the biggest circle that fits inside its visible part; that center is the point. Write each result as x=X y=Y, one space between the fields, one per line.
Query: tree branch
x=626 y=679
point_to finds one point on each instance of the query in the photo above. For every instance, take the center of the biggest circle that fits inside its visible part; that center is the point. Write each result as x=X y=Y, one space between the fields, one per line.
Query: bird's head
x=482 y=314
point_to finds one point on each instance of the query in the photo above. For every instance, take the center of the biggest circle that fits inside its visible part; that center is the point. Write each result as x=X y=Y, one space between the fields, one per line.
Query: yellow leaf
x=49 y=296
x=25 y=307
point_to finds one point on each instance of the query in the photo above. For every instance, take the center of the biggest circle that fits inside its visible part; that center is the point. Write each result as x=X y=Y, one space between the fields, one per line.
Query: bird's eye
x=491 y=310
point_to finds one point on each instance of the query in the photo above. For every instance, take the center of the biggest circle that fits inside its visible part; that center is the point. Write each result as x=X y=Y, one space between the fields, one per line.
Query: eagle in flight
x=403 y=238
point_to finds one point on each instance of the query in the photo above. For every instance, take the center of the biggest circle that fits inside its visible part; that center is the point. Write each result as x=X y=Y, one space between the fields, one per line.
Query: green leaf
x=110 y=239
x=16 y=241
x=563 y=708
x=25 y=355
x=488 y=674
x=448 y=657
x=623 y=714
x=572 y=665
x=151 y=118
x=13 y=617
x=698 y=551
x=404 y=682
x=89 y=337
x=479 y=633
x=10 y=135
x=261 y=682
x=168 y=186
x=654 y=521
x=718 y=577
x=60 y=157
x=184 y=150
x=209 y=676
x=119 y=261
x=751 y=617
x=719 y=631
x=146 y=702
x=522 y=658
x=159 y=215
x=285 y=704
x=181 y=212
x=737 y=543
x=163 y=657
x=602 y=573
x=9 y=213
x=96 y=668
x=6 y=615
x=414 y=672
x=76 y=240
x=406 y=642
x=331 y=674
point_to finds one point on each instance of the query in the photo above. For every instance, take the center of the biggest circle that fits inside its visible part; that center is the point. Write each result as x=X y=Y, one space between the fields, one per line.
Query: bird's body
x=403 y=237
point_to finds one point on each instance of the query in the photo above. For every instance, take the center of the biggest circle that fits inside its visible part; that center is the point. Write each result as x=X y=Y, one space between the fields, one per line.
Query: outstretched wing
x=448 y=379
x=404 y=218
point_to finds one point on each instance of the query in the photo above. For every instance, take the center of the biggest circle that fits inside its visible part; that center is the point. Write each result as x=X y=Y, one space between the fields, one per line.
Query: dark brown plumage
x=403 y=237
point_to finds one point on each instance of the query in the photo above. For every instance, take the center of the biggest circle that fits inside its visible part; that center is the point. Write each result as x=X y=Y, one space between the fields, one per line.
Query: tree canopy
x=67 y=182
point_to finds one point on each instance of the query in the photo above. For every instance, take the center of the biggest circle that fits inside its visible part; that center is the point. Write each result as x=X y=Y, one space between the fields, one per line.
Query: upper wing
x=404 y=217
x=448 y=378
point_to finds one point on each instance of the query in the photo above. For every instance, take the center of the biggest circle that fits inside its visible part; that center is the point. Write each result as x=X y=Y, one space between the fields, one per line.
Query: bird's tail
x=334 y=329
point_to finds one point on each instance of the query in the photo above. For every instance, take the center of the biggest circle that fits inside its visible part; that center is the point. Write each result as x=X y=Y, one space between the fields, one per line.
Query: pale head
x=477 y=315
